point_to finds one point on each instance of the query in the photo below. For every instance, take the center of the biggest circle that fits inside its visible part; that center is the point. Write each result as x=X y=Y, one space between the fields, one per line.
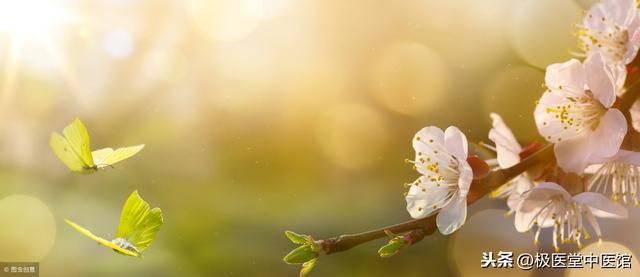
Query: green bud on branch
x=306 y=254
x=392 y=247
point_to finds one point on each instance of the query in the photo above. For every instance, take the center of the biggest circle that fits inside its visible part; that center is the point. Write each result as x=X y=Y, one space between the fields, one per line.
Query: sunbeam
x=25 y=21
x=8 y=80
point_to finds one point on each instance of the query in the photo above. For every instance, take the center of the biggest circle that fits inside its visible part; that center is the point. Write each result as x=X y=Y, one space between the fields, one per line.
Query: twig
x=426 y=226
x=627 y=100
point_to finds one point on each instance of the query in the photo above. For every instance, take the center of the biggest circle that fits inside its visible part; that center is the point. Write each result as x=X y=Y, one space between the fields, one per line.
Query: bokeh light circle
x=352 y=135
x=512 y=93
x=409 y=78
x=310 y=89
x=488 y=231
x=226 y=20
x=275 y=8
x=606 y=247
x=119 y=44
x=542 y=30
x=469 y=34
x=28 y=229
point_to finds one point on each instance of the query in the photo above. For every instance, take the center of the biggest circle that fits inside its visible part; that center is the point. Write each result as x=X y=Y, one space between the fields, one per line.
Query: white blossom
x=508 y=151
x=550 y=205
x=441 y=158
x=576 y=113
x=611 y=28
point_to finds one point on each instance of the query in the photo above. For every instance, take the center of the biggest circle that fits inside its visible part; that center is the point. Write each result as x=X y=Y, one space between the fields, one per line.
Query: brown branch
x=629 y=97
x=426 y=226
x=625 y=102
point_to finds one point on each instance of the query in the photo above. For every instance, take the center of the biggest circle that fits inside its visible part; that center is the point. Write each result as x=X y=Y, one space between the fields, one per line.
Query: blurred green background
x=261 y=116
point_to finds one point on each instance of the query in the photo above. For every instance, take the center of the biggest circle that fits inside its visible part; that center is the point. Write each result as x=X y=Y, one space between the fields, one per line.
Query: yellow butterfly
x=74 y=150
x=138 y=227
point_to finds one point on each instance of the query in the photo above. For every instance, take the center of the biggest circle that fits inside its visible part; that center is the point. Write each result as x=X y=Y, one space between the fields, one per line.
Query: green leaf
x=296 y=238
x=392 y=247
x=307 y=267
x=302 y=254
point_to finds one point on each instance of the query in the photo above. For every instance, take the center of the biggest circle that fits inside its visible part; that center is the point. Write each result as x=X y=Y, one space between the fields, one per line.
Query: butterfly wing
x=100 y=155
x=78 y=137
x=149 y=229
x=139 y=224
x=101 y=240
x=108 y=157
x=65 y=153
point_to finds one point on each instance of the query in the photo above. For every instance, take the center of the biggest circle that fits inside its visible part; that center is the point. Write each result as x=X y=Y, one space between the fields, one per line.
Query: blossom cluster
x=596 y=169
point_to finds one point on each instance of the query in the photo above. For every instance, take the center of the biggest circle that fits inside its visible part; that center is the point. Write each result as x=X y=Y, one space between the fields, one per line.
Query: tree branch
x=629 y=97
x=426 y=226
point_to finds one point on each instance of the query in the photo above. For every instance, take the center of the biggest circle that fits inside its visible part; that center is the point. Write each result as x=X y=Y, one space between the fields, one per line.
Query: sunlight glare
x=28 y=17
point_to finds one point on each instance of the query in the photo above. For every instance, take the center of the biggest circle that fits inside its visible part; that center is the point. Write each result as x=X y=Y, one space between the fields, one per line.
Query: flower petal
x=635 y=38
x=633 y=26
x=628 y=157
x=619 y=73
x=600 y=79
x=569 y=74
x=532 y=202
x=594 y=223
x=422 y=138
x=619 y=12
x=603 y=145
x=553 y=189
x=601 y=206
x=425 y=142
x=550 y=126
x=452 y=216
x=465 y=178
x=514 y=200
x=517 y=186
x=526 y=212
x=521 y=184
x=608 y=136
x=456 y=143
x=507 y=147
x=424 y=198
x=573 y=155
